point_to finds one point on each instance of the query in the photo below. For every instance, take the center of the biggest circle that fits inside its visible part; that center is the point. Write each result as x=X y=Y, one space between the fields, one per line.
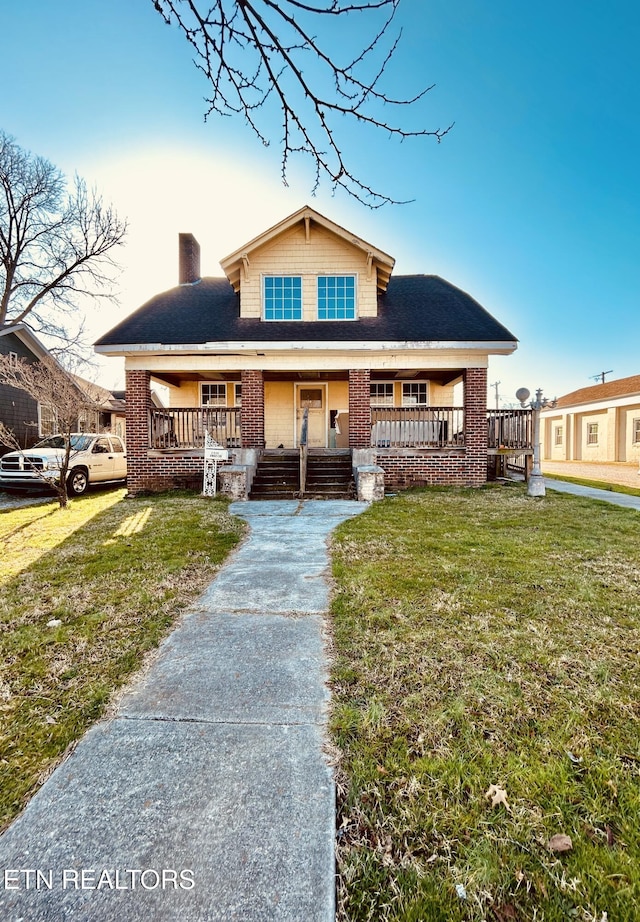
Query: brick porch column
x=475 y=424
x=138 y=399
x=252 y=410
x=359 y=408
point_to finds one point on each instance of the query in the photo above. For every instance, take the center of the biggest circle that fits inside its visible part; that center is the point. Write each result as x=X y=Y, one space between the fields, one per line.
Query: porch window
x=282 y=297
x=415 y=393
x=214 y=395
x=592 y=433
x=558 y=435
x=381 y=393
x=636 y=431
x=237 y=395
x=336 y=297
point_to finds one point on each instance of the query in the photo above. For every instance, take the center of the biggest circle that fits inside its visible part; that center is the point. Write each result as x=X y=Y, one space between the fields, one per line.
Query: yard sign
x=213 y=452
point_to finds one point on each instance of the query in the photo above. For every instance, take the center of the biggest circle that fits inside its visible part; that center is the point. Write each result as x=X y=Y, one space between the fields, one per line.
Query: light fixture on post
x=536 y=480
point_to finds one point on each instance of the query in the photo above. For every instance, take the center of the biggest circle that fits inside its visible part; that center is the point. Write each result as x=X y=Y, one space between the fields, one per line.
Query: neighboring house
x=108 y=413
x=18 y=411
x=309 y=317
x=597 y=423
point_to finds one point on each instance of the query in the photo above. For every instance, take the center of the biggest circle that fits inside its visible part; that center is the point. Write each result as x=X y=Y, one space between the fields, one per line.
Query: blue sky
x=531 y=203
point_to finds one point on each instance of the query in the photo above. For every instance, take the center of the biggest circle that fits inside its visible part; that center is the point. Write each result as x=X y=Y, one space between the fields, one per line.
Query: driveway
x=620 y=473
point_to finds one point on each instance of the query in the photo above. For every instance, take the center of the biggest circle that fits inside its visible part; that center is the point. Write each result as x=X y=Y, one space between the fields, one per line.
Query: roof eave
x=494 y=347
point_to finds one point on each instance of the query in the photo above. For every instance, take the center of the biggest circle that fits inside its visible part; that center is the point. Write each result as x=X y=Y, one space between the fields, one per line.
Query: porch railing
x=184 y=427
x=417 y=427
x=391 y=427
x=509 y=429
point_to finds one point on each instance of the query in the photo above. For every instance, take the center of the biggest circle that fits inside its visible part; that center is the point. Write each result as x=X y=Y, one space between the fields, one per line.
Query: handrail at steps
x=304 y=450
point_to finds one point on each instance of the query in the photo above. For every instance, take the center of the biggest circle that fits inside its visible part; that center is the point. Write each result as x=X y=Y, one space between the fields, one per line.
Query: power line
x=600 y=376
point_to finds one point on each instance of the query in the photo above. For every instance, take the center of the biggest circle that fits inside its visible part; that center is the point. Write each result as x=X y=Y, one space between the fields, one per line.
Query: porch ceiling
x=439 y=376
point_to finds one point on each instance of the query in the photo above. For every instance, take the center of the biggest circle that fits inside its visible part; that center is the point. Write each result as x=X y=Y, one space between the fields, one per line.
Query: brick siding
x=359 y=408
x=252 y=409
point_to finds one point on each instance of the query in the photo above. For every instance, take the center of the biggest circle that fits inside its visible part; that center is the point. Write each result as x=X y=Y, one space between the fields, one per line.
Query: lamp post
x=536 y=480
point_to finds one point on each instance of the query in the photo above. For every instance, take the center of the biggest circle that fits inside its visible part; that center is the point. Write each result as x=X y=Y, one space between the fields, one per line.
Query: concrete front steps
x=277 y=476
x=329 y=475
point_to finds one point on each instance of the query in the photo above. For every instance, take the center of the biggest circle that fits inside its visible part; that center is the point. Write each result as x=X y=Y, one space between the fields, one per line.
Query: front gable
x=306 y=247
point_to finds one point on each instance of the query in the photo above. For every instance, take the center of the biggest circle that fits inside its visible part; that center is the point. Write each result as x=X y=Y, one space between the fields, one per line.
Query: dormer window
x=282 y=297
x=336 y=297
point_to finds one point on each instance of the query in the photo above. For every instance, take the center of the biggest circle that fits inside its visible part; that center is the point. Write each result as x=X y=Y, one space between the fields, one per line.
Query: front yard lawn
x=487 y=649
x=112 y=575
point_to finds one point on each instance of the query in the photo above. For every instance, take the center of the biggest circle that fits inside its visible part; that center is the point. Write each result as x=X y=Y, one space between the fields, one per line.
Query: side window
x=101 y=447
x=116 y=444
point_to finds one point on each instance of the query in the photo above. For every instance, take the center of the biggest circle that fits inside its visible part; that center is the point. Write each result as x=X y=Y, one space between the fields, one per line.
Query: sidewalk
x=605 y=496
x=207 y=797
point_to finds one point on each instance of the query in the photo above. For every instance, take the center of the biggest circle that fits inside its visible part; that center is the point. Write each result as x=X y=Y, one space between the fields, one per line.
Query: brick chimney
x=188 y=259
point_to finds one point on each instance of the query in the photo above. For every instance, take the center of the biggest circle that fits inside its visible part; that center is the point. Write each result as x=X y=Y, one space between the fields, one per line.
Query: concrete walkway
x=208 y=796
x=605 y=496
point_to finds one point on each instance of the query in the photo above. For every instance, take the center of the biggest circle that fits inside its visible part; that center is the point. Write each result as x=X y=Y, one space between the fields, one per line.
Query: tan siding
x=187 y=395
x=441 y=395
x=291 y=254
x=278 y=414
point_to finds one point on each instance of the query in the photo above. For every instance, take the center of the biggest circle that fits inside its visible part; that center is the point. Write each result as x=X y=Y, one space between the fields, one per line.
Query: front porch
x=412 y=445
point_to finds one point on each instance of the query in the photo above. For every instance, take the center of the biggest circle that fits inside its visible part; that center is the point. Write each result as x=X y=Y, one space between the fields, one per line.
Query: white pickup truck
x=94 y=458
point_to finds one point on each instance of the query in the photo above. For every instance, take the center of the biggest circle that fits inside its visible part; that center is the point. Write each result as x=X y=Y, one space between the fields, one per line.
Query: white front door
x=312 y=397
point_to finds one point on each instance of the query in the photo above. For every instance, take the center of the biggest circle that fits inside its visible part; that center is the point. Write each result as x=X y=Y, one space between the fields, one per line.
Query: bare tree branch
x=56 y=246
x=254 y=51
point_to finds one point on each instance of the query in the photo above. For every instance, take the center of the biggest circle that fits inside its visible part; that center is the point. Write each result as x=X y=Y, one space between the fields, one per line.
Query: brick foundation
x=406 y=467
x=169 y=472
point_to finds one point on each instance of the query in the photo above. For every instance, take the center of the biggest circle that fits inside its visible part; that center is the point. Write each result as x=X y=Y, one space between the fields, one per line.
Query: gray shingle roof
x=414 y=308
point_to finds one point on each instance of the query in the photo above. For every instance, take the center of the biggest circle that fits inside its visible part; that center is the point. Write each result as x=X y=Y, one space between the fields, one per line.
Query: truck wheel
x=78 y=481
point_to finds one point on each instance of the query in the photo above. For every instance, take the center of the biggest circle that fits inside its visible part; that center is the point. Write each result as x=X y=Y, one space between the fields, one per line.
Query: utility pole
x=495 y=384
x=600 y=376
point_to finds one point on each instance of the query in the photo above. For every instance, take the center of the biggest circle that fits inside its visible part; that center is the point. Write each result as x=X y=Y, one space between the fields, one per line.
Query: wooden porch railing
x=391 y=427
x=183 y=427
x=510 y=429
x=417 y=427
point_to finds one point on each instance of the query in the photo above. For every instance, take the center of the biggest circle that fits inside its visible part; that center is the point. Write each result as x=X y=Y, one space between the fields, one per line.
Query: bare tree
x=62 y=400
x=254 y=52
x=56 y=244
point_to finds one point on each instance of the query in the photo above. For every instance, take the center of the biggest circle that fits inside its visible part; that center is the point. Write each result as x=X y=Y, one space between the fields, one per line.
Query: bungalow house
x=308 y=332
x=596 y=423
